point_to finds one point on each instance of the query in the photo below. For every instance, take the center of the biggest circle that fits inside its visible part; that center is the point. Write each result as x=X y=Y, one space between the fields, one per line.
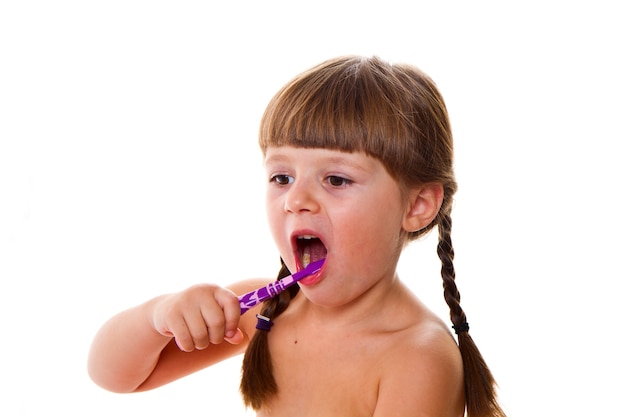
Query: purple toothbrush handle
x=253 y=298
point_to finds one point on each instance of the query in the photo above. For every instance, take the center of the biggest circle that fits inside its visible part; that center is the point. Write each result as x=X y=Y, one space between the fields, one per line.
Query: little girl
x=359 y=162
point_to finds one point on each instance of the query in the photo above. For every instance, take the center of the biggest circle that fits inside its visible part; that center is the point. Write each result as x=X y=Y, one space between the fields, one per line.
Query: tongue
x=313 y=251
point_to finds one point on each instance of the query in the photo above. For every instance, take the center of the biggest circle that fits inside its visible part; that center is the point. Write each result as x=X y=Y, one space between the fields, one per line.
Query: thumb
x=235 y=338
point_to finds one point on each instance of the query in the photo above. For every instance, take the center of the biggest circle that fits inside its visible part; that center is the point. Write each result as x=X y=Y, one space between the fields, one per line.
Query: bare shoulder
x=423 y=372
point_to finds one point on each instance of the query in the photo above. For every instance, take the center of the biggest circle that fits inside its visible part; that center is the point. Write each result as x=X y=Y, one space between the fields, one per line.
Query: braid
x=479 y=383
x=257 y=376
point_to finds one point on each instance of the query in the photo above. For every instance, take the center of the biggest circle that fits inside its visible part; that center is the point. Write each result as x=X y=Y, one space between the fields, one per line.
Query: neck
x=364 y=310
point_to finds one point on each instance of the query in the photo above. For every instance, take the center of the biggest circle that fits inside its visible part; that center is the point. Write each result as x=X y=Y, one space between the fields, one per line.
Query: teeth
x=306 y=257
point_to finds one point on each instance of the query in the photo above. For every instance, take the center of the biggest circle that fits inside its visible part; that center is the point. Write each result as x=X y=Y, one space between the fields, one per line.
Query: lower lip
x=312 y=279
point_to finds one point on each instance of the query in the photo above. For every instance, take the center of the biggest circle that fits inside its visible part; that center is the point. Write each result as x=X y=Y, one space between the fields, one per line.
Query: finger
x=198 y=329
x=232 y=312
x=182 y=336
x=214 y=321
x=168 y=320
x=236 y=339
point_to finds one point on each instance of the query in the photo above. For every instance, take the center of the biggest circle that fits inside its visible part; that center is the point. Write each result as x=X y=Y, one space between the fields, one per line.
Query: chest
x=321 y=375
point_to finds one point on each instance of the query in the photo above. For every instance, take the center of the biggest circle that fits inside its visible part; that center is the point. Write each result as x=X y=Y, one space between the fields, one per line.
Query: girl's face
x=341 y=206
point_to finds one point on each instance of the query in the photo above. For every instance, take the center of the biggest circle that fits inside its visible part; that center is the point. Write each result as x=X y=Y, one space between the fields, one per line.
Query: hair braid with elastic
x=257 y=381
x=480 y=394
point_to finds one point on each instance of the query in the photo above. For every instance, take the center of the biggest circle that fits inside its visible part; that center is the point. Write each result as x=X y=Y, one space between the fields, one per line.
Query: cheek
x=275 y=221
x=368 y=230
x=378 y=226
x=273 y=218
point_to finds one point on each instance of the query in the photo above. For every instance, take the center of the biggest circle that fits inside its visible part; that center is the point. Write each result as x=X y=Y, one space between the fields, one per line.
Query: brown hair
x=396 y=114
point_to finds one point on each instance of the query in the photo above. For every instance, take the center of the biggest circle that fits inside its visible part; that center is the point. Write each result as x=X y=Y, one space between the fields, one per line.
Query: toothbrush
x=249 y=300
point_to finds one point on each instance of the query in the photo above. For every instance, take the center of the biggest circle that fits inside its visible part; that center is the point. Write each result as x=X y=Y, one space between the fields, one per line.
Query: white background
x=129 y=168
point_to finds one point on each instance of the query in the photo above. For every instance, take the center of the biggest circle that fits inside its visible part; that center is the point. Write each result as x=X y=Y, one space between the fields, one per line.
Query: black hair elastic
x=464 y=327
x=264 y=323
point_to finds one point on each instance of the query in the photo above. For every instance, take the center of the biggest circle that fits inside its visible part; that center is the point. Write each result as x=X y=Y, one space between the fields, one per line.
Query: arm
x=170 y=336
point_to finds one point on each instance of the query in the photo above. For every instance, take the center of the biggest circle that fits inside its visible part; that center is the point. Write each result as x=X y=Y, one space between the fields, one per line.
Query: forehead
x=292 y=154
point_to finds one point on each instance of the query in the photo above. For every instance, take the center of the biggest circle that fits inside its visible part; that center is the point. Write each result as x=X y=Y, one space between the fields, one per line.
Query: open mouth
x=309 y=249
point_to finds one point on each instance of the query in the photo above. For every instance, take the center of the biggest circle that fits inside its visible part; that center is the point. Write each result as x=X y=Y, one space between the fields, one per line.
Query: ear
x=423 y=205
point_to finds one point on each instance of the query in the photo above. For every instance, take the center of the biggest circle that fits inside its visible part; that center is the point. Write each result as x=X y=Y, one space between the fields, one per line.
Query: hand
x=198 y=316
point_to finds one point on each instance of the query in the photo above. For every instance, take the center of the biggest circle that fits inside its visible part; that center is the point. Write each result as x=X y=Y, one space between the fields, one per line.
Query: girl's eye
x=281 y=179
x=337 y=181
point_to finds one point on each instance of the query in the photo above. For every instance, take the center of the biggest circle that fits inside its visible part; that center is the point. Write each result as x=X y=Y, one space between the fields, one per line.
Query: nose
x=300 y=198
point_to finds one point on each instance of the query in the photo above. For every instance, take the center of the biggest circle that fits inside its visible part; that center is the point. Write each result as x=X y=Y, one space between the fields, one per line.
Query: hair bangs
x=342 y=107
x=390 y=112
